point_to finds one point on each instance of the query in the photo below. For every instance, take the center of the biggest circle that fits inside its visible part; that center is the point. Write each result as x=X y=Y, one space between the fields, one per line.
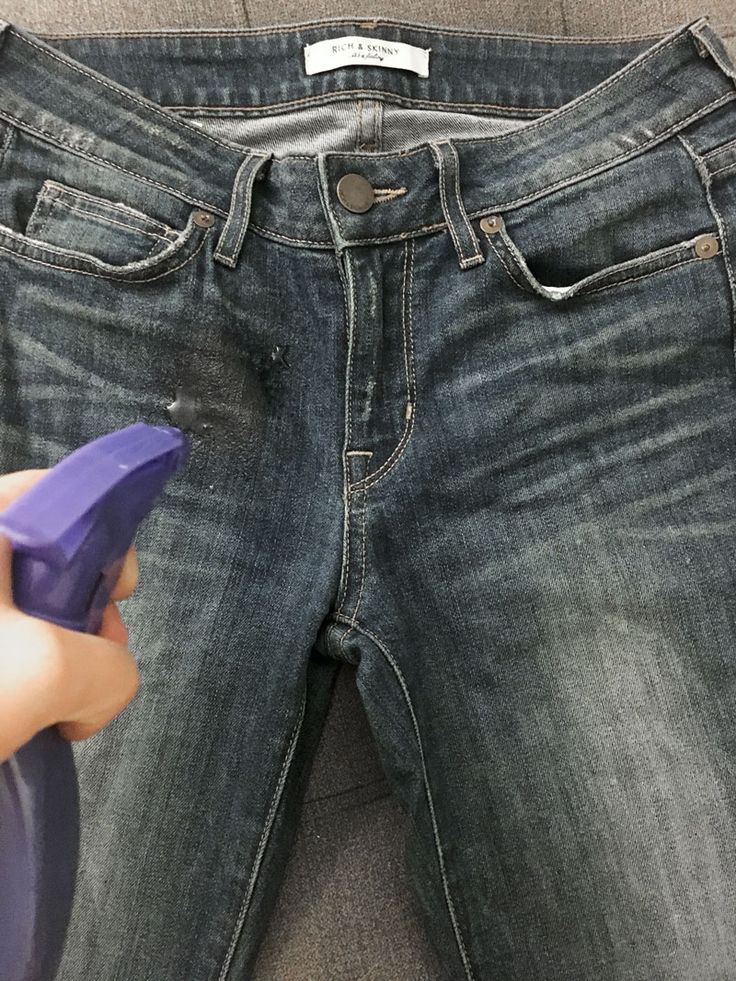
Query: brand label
x=355 y=50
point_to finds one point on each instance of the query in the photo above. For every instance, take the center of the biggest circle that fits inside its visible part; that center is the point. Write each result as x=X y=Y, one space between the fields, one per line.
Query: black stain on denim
x=278 y=355
x=187 y=412
x=224 y=393
x=219 y=395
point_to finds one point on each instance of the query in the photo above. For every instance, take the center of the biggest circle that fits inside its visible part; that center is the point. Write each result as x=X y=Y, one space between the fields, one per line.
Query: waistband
x=589 y=104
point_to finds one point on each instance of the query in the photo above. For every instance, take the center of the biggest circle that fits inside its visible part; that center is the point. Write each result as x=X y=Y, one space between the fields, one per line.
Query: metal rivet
x=204 y=219
x=706 y=246
x=491 y=224
x=355 y=192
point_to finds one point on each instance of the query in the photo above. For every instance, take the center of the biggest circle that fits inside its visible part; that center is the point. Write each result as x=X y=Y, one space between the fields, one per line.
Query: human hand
x=50 y=675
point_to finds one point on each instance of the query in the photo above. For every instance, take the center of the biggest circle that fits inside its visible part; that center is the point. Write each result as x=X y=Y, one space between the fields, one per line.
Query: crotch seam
x=383 y=649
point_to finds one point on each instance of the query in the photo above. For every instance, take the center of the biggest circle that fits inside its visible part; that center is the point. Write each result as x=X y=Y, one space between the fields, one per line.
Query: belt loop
x=231 y=239
x=709 y=42
x=464 y=238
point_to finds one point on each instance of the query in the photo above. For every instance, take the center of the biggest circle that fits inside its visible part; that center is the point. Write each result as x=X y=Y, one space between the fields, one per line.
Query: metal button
x=491 y=224
x=204 y=219
x=706 y=246
x=355 y=193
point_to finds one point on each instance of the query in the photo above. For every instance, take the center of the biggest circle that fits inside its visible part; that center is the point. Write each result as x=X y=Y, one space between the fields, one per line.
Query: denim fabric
x=478 y=441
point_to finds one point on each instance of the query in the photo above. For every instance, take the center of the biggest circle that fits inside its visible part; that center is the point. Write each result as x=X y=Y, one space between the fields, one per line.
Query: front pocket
x=698 y=248
x=165 y=256
x=110 y=231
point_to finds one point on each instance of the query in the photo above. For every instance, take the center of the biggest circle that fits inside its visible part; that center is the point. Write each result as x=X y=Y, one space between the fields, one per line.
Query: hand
x=50 y=675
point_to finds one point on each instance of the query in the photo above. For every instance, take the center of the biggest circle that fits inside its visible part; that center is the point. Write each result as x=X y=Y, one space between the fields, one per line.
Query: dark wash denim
x=491 y=463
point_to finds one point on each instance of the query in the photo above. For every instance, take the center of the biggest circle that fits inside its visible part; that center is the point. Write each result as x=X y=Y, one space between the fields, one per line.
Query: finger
x=49 y=674
x=94 y=681
x=74 y=731
x=125 y=585
x=128 y=578
x=6 y=573
x=26 y=677
x=112 y=627
x=12 y=485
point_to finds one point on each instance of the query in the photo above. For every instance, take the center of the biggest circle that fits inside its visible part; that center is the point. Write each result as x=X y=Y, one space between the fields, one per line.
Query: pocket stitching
x=7 y=138
x=586 y=291
x=120 y=278
x=41 y=201
x=156 y=240
x=57 y=191
x=724 y=170
x=633 y=279
x=719 y=149
x=520 y=283
x=110 y=221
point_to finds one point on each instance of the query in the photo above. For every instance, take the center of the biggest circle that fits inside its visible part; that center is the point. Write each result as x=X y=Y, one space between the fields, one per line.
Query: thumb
x=12 y=485
x=6 y=573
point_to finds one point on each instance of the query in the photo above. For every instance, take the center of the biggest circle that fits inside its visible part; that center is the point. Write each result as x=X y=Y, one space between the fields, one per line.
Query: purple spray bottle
x=70 y=533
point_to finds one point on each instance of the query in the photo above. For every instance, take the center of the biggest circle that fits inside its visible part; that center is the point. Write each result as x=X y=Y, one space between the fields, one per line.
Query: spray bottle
x=70 y=533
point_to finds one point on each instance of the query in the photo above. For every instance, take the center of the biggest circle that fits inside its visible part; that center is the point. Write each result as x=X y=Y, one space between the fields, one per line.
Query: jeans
x=455 y=352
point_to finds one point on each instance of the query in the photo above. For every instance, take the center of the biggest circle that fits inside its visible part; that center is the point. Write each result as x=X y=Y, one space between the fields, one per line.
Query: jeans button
x=355 y=193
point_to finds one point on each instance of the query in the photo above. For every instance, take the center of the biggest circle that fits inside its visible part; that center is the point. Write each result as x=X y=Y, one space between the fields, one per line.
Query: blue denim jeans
x=456 y=355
